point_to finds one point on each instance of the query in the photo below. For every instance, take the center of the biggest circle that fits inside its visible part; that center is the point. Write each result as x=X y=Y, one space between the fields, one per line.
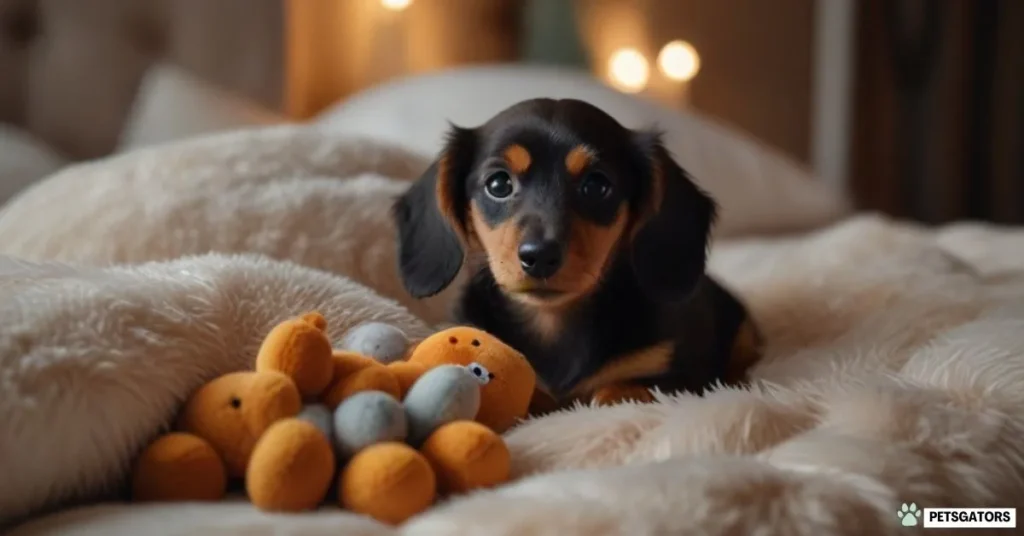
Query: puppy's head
x=553 y=193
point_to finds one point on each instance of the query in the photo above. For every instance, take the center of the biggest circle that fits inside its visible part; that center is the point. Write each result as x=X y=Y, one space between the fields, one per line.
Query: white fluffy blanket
x=895 y=373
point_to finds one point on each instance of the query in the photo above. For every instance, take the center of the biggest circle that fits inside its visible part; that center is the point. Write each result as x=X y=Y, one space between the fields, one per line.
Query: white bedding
x=23 y=161
x=894 y=374
x=894 y=371
x=94 y=361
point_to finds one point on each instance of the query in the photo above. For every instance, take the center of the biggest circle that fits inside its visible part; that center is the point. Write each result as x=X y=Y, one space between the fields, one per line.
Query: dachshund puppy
x=586 y=245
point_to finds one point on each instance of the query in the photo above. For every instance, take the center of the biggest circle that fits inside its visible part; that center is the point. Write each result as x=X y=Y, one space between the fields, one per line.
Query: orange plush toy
x=308 y=410
x=243 y=425
x=510 y=380
x=459 y=446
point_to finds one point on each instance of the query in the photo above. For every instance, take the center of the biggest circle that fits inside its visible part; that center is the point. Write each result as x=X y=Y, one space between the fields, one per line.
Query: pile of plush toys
x=386 y=427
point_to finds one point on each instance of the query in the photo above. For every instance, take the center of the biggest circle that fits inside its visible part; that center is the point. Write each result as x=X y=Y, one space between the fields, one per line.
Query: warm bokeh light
x=395 y=5
x=628 y=70
x=679 y=61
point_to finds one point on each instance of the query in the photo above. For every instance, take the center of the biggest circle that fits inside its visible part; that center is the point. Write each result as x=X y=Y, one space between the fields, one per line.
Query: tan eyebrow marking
x=517 y=158
x=578 y=159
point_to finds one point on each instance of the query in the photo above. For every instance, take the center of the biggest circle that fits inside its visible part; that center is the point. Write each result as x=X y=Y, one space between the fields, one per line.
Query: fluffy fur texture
x=289 y=193
x=93 y=361
x=894 y=373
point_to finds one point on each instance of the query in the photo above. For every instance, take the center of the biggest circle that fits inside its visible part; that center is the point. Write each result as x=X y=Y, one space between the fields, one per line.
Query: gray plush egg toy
x=443 y=394
x=320 y=416
x=366 y=418
x=383 y=342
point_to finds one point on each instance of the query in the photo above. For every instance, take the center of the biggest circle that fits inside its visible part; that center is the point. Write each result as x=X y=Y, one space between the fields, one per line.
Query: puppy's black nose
x=540 y=258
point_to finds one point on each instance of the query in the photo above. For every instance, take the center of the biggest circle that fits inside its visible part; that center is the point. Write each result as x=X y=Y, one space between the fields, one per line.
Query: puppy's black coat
x=586 y=244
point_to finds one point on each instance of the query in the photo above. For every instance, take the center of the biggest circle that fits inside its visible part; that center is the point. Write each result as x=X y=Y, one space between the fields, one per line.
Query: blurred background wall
x=914 y=107
x=755 y=57
x=939 y=103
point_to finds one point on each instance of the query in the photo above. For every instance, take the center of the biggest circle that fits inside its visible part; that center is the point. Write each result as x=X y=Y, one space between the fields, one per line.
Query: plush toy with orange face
x=400 y=433
x=460 y=388
x=508 y=379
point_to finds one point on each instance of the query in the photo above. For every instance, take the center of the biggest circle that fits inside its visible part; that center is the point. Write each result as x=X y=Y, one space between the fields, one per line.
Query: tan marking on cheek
x=517 y=158
x=578 y=159
x=643 y=363
x=501 y=245
x=590 y=247
x=747 y=349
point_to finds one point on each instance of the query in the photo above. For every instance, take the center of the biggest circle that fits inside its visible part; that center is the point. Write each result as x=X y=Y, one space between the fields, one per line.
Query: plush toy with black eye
x=483 y=375
x=462 y=387
x=400 y=433
x=507 y=379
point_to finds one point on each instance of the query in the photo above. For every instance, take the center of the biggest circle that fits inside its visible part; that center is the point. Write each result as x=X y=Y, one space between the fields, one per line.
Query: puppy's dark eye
x=499 y=185
x=595 y=186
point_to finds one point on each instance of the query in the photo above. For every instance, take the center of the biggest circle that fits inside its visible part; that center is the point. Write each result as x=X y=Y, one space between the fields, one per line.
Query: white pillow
x=759 y=190
x=23 y=160
x=173 y=104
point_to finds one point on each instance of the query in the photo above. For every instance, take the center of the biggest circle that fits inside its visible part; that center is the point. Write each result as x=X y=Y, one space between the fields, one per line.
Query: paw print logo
x=909 y=515
x=483 y=375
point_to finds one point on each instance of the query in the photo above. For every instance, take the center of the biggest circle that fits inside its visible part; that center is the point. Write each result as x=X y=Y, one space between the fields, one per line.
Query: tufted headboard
x=70 y=69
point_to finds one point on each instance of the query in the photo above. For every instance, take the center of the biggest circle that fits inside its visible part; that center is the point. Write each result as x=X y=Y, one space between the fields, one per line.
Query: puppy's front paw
x=621 y=392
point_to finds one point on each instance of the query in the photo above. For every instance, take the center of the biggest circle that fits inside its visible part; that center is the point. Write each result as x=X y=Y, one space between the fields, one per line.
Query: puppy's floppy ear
x=431 y=218
x=671 y=231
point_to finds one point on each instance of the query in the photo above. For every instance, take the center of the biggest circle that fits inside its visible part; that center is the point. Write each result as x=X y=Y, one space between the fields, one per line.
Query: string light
x=629 y=70
x=679 y=61
x=395 y=5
